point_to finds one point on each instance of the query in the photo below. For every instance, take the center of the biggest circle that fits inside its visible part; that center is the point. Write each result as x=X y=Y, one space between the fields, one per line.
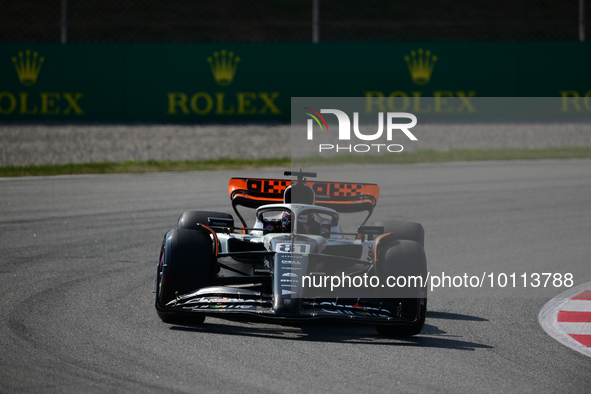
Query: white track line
x=577 y=306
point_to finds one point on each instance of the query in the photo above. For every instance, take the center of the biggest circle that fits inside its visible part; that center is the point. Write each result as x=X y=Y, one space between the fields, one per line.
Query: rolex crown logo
x=27 y=67
x=223 y=66
x=420 y=64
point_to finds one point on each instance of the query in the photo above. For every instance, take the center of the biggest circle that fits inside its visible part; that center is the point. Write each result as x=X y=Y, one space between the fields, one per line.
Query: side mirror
x=370 y=231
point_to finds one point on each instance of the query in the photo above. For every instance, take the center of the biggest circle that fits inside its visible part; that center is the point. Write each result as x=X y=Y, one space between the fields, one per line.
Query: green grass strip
x=426 y=156
x=131 y=166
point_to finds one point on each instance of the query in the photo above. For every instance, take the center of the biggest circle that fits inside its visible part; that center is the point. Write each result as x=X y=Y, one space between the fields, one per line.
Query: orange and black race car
x=294 y=263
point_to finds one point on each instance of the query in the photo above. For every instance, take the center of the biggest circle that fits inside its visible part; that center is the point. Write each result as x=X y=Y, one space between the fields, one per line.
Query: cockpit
x=296 y=218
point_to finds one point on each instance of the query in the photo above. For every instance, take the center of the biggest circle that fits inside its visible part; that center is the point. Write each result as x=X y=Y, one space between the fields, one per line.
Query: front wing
x=227 y=302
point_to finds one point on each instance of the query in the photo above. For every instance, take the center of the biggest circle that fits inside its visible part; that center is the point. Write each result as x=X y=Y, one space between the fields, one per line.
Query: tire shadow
x=453 y=316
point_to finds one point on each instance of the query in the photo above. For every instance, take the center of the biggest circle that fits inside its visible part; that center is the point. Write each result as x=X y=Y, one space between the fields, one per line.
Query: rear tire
x=403 y=258
x=186 y=264
x=400 y=229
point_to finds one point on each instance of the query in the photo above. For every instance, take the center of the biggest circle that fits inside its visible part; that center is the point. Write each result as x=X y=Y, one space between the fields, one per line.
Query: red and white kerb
x=567 y=318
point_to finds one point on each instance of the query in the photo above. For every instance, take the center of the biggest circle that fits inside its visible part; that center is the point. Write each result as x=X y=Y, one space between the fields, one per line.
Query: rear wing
x=343 y=197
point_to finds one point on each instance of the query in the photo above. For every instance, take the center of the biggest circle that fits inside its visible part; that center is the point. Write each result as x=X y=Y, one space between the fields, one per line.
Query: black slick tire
x=186 y=264
x=400 y=229
x=403 y=258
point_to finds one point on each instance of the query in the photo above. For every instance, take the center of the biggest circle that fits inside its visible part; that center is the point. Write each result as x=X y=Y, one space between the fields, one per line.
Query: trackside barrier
x=254 y=82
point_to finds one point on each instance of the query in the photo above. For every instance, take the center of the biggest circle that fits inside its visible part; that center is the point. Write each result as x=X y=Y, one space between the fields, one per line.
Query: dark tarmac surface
x=79 y=256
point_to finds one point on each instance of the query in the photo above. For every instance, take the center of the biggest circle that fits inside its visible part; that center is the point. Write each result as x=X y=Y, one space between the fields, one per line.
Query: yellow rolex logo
x=223 y=66
x=420 y=64
x=27 y=68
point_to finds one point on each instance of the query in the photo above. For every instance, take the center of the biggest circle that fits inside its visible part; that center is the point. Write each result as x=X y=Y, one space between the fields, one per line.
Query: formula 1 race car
x=294 y=263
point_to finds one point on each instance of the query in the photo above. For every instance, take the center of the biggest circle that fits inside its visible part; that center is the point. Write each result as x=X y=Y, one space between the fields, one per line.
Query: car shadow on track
x=453 y=316
x=340 y=332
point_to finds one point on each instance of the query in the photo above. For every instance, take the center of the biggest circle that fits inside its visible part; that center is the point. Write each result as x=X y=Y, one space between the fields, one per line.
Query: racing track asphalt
x=79 y=256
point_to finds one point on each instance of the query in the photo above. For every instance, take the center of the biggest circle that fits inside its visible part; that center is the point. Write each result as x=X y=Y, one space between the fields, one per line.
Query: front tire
x=403 y=258
x=186 y=264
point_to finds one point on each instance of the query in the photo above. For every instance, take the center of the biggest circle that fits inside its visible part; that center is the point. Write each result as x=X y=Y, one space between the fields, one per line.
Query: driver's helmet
x=308 y=223
x=286 y=222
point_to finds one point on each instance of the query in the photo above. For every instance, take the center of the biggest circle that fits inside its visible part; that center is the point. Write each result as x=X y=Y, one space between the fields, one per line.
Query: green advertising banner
x=254 y=82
